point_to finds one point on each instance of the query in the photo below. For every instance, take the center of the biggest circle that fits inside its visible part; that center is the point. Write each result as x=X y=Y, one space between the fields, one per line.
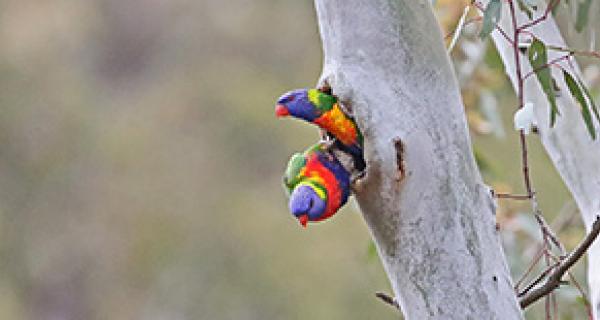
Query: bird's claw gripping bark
x=327 y=145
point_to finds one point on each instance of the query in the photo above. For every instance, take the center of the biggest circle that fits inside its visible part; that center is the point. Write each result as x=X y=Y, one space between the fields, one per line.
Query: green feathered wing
x=293 y=172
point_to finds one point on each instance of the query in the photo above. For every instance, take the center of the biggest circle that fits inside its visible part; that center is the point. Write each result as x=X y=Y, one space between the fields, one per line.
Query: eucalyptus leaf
x=578 y=95
x=491 y=16
x=524 y=7
x=590 y=99
x=538 y=57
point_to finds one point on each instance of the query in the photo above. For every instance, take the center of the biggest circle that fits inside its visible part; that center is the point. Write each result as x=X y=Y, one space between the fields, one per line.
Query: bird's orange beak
x=303 y=220
x=281 y=111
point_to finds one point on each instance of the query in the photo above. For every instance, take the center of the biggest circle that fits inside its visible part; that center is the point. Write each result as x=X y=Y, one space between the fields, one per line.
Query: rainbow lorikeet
x=324 y=110
x=317 y=184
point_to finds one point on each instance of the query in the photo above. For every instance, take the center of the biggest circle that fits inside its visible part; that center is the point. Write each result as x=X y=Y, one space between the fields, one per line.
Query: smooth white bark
x=574 y=154
x=435 y=228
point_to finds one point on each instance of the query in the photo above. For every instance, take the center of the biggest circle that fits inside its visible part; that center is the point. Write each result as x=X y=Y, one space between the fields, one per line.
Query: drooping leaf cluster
x=538 y=58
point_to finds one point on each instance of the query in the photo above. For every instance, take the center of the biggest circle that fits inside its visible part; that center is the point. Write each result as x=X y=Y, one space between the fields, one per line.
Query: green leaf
x=524 y=7
x=491 y=16
x=590 y=98
x=582 y=15
x=578 y=95
x=538 y=57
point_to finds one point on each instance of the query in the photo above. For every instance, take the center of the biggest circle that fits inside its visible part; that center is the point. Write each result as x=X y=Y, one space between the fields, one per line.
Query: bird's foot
x=327 y=143
x=327 y=146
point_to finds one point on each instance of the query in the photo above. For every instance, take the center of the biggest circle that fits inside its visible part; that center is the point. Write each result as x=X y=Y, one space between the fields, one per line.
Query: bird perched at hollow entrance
x=317 y=184
x=324 y=110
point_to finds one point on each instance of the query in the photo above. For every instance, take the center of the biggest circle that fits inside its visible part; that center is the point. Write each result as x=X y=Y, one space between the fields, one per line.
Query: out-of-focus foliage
x=583 y=12
x=141 y=164
x=491 y=16
x=488 y=96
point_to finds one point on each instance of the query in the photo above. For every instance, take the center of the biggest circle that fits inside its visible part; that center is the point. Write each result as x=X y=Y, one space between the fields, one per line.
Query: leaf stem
x=543 y=17
x=520 y=86
x=551 y=63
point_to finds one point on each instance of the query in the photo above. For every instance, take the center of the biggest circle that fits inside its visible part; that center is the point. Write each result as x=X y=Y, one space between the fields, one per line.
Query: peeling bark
x=435 y=227
x=572 y=151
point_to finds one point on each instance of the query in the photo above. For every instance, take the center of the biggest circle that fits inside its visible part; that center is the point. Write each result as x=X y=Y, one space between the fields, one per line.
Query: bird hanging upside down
x=317 y=184
x=324 y=110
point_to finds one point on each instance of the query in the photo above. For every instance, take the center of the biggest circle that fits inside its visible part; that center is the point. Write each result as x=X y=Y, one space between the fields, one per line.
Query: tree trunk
x=569 y=145
x=430 y=214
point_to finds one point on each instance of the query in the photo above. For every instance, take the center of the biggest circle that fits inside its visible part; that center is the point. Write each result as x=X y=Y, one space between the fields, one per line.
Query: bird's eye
x=291 y=98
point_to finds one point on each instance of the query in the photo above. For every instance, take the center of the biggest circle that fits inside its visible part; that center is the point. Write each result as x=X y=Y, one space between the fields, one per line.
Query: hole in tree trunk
x=325 y=88
x=399 y=146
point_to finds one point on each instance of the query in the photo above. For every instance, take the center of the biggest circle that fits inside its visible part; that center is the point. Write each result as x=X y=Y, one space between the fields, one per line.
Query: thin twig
x=551 y=63
x=592 y=54
x=525 y=162
x=537 y=280
x=458 y=29
x=554 y=278
x=387 y=299
x=580 y=289
x=543 y=17
x=505 y=35
x=533 y=263
x=549 y=233
x=565 y=218
x=516 y=53
x=512 y=196
x=451 y=33
x=547 y=255
x=520 y=89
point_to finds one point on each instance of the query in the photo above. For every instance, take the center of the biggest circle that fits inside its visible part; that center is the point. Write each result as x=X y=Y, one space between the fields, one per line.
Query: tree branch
x=512 y=196
x=547 y=231
x=388 y=299
x=555 y=276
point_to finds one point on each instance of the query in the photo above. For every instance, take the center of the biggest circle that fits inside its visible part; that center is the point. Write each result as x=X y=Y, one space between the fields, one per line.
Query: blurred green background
x=140 y=163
